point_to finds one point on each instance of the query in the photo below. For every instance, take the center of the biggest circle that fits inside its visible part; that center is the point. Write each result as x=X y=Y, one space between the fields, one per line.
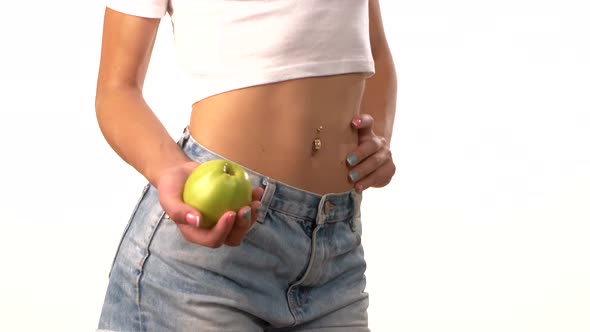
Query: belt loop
x=320 y=218
x=269 y=192
x=184 y=138
x=357 y=199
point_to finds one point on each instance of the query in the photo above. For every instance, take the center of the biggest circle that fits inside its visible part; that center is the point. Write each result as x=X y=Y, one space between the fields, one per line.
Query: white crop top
x=230 y=44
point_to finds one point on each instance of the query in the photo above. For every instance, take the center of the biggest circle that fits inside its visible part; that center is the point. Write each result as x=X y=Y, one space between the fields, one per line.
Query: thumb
x=364 y=124
x=178 y=211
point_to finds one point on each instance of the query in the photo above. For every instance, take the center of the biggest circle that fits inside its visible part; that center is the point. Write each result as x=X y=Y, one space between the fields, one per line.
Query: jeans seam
x=141 y=268
x=128 y=226
x=288 y=214
x=291 y=215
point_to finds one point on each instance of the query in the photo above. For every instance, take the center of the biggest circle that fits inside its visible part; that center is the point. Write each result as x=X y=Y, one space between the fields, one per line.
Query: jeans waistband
x=331 y=207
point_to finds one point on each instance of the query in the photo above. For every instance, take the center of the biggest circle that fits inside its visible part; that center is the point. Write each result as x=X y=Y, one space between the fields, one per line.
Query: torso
x=271 y=128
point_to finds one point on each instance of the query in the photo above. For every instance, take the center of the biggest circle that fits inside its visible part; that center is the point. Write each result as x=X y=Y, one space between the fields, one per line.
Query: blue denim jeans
x=300 y=268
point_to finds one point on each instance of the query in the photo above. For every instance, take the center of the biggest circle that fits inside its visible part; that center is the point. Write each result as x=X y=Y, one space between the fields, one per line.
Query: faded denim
x=300 y=268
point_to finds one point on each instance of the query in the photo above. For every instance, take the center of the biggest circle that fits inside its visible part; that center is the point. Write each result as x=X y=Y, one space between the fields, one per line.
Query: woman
x=302 y=95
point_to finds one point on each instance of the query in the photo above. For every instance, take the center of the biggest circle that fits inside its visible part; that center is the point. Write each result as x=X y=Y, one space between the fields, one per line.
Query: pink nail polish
x=192 y=219
x=359 y=188
x=357 y=122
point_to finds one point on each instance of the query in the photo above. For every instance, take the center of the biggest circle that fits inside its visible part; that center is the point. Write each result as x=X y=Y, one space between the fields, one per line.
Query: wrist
x=154 y=172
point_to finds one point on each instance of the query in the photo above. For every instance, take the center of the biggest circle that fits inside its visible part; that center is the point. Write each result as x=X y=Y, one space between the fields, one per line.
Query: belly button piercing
x=317 y=143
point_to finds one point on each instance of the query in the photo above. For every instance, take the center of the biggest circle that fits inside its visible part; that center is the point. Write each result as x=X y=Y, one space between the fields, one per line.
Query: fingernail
x=356 y=122
x=248 y=214
x=232 y=216
x=359 y=188
x=192 y=219
x=351 y=160
x=354 y=176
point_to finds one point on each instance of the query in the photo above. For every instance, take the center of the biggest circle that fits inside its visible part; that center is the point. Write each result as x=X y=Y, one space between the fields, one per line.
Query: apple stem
x=225 y=169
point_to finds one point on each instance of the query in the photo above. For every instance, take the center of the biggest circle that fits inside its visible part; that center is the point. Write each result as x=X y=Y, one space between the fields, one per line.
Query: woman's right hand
x=229 y=230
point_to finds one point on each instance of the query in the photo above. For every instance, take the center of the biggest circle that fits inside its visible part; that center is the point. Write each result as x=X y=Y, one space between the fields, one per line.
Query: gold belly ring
x=317 y=142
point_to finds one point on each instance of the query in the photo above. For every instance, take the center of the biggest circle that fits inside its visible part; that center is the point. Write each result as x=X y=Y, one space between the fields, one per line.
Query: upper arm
x=127 y=44
x=378 y=39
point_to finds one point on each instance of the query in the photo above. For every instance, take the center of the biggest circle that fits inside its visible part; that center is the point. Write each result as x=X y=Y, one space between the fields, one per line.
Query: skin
x=268 y=128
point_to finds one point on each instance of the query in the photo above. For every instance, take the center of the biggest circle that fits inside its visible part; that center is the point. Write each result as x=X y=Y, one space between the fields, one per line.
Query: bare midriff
x=271 y=129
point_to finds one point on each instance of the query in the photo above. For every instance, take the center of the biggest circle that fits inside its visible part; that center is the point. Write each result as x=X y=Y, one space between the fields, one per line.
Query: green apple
x=215 y=187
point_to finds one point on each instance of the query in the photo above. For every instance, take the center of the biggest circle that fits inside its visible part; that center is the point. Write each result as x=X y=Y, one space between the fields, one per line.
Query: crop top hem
x=131 y=8
x=244 y=79
x=231 y=45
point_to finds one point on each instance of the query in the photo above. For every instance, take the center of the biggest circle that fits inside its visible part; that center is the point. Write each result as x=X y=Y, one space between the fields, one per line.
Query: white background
x=485 y=226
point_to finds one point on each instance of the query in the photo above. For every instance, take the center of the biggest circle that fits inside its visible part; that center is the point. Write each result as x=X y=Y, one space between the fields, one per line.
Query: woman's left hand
x=371 y=164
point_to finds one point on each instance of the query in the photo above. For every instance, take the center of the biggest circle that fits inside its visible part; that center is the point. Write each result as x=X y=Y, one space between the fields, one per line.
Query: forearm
x=380 y=95
x=135 y=133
